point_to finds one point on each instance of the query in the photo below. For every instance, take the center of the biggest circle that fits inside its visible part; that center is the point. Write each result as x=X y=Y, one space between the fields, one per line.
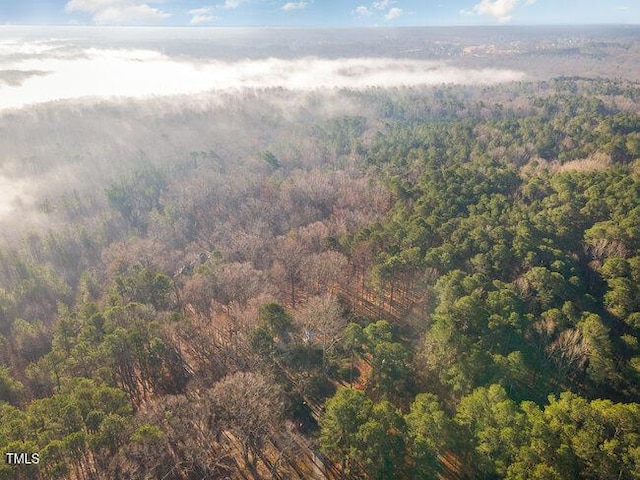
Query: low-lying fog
x=37 y=71
x=84 y=101
x=79 y=105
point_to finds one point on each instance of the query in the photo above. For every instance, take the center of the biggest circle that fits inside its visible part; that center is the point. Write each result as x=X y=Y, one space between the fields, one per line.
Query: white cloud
x=232 y=4
x=118 y=12
x=382 y=4
x=501 y=10
x=362 y=11
x=202 y=15
x=395 y=12
x=294 y=6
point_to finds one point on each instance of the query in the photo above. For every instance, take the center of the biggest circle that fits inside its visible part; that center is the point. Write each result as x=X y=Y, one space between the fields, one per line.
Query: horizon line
x=352 y=27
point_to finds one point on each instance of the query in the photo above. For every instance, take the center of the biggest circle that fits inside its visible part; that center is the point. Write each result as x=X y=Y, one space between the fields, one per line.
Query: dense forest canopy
x=414 y=282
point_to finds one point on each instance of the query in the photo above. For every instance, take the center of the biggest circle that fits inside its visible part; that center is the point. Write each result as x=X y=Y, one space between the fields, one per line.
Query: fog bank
x=41 y=71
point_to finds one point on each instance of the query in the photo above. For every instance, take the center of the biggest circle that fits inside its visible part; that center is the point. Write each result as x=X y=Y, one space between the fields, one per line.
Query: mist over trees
x=425 y=282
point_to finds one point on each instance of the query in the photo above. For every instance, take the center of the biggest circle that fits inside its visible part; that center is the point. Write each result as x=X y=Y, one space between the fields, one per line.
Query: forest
x=411 y=283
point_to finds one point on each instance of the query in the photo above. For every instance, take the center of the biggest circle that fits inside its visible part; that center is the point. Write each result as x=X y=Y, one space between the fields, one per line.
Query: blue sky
x=322 y=13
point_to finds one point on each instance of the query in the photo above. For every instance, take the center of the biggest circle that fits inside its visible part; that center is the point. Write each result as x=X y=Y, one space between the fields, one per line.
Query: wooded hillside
x=411 y=283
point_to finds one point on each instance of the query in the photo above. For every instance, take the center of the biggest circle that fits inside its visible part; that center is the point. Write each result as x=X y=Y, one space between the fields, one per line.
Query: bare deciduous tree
x=250 y=408
x=322 y=320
